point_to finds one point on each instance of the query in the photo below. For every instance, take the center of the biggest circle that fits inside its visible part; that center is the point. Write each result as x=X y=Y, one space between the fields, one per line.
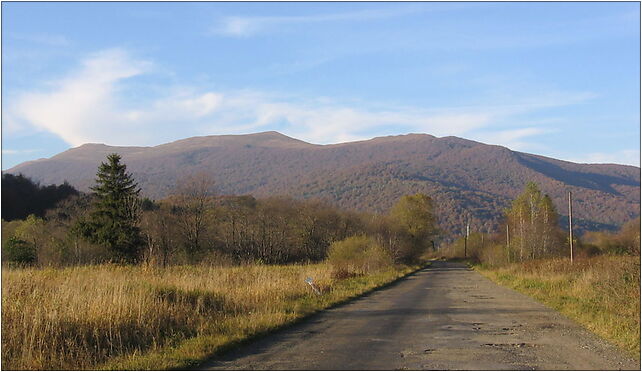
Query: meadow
x=602 y=293
x=132 y=317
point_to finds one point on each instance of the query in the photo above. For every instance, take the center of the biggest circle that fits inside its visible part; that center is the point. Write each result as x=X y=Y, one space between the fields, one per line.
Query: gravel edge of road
x=626 y=353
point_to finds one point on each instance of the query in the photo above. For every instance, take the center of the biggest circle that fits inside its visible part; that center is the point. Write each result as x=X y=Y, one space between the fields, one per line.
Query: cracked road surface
x=441 y=318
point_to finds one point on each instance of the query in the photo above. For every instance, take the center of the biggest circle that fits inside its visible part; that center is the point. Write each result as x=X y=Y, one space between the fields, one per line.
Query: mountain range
x=468 y=180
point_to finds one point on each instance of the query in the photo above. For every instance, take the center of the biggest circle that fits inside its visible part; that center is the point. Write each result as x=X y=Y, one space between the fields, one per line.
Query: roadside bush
x=586 y=250
x=9 y=229
x=19 y=251
x=626 y=241
x=493 y=255
x=357 y=255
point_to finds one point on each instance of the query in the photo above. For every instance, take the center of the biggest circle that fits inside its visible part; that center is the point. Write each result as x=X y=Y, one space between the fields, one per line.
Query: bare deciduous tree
x=193 y=200
x=159 y=230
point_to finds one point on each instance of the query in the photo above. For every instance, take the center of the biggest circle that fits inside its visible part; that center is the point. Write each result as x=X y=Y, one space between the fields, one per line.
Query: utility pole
x=507 y=243
x=466 y=239
x=570 y=222
x=507 y=238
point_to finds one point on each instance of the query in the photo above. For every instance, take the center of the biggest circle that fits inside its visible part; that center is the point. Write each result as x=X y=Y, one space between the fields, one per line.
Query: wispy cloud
x=16 y=152
x=242 y=26
x=82 y=106
x=513 y=138
x=90 y=105
x=629 y=156
x=330 y=122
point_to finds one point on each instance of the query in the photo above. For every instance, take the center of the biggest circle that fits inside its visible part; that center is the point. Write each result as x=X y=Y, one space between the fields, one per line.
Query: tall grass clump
x=602 y=293
x=129 y=317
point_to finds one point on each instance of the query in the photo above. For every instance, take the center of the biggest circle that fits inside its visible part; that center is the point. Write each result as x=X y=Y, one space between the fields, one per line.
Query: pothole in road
x=482 y=297
x=407 y=353
x=455 y=327
x=514 y=345
x=460 y=289
x=404 y=354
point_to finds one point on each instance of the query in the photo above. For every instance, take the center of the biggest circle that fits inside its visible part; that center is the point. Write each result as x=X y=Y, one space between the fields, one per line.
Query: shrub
x=19 y=251
x=357 y=255
x=493 y=255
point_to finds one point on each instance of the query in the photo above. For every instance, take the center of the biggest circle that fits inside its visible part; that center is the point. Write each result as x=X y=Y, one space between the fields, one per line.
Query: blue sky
x=556 y=79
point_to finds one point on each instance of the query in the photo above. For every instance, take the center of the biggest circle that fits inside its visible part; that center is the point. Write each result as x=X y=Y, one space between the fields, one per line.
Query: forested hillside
x=465 y=178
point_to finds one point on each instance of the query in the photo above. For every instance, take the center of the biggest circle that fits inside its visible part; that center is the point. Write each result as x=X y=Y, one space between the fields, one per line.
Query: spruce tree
x=116 y=213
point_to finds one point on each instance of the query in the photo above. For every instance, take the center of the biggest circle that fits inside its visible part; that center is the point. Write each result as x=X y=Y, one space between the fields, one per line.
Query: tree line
x=22 y=197
x=531 y=230
x=195 y=225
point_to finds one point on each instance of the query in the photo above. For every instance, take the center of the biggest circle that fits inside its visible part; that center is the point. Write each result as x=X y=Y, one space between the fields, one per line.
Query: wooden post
x=507 y=238
x=570 y=222
x=465 y=245
x=507 y=243
x=466 y=239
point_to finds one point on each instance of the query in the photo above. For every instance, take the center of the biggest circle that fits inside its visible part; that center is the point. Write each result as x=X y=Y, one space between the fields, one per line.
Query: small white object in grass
x=314 y=287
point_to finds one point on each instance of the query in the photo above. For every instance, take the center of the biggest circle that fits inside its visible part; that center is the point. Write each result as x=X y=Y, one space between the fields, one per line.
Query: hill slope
x=462 y=176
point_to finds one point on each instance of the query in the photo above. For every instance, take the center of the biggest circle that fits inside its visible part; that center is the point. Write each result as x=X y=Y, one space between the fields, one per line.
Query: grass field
x=118 y=317
x=602 y=293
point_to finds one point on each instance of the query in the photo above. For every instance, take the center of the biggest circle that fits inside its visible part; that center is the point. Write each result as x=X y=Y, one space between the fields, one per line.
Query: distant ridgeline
x=468 y=181
x=22 y=197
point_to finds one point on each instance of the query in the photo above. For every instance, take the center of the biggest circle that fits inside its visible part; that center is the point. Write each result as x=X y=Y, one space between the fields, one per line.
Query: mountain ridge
x=464 y=177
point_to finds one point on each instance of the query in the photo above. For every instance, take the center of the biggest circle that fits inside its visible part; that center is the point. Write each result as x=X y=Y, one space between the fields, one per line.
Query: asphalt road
x=441 y=318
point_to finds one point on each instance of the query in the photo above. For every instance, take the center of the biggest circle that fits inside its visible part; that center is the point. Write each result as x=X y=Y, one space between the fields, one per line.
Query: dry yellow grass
x=602 y=293
x=130 y=318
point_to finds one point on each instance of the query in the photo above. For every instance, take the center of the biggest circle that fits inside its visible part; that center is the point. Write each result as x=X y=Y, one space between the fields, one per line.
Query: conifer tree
x=116 y=213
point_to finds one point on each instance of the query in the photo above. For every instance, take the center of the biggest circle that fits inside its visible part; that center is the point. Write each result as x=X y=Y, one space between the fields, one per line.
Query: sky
x=555 y=79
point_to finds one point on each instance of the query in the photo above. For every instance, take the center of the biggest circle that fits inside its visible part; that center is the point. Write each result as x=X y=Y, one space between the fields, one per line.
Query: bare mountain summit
x=464 y=177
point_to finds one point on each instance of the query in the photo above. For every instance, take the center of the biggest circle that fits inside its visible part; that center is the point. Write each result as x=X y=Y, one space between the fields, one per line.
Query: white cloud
x=239 y=26
x=91 y=105
x=512 y=138
x=81 y=104
x=11 y=124
x=328 y=122
x=325 y=121
x=87 y=106
x=629 y=157
x=243 y=26
x=16 y=152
